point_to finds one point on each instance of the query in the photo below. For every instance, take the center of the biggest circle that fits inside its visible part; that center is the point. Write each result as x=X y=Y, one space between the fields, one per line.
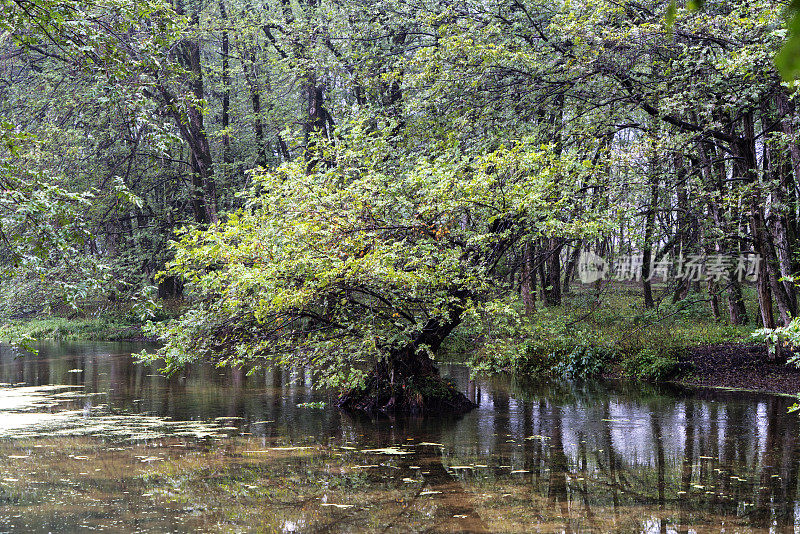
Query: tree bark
x=572 y=264
x=407 y=381
x=527 y=284
x=737 y=313
x=682 y=224
x=649 y=229
x=190 y=124
x=227 y=158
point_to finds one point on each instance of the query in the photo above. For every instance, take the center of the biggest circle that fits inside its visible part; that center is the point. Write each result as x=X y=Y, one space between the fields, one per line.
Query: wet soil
x=741 y=366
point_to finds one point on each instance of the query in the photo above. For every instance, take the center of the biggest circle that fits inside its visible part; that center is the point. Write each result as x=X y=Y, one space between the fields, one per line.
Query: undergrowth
x=63 y=329
x=584 y=338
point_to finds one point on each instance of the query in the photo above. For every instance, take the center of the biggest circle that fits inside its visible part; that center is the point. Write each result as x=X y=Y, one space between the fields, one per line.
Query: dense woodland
x=342 y=184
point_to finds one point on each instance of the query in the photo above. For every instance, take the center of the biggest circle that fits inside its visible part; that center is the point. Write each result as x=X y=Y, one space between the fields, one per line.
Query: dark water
x=124 y=449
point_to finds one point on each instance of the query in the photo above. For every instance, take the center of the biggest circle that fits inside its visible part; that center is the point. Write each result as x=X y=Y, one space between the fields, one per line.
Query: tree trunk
x=776 y=221
x=190 y=124
x=317 y=118
x=737 y=313
x=569 y=272
x=527 y=286
x=554 y=271
x=649 y=229
x=682 y=208
x=227 y=157
x=745 y=168
x=407 y=381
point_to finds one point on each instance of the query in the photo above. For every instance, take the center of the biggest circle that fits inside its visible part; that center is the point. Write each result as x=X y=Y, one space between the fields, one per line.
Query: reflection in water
x=213 y=449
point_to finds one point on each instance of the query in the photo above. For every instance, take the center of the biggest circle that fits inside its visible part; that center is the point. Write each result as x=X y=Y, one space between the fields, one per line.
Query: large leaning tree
x=361 y=268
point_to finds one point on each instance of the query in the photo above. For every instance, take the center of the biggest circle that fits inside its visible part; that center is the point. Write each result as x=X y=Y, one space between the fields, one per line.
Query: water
x=119 y=448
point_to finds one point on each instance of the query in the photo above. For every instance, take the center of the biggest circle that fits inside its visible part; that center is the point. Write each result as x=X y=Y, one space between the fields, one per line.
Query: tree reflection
x=558 y=456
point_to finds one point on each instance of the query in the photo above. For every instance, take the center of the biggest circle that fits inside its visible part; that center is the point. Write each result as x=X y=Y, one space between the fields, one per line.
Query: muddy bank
x=743 y=366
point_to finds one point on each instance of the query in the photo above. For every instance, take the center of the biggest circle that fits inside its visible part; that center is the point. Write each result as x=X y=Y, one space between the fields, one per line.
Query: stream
x=91 y=440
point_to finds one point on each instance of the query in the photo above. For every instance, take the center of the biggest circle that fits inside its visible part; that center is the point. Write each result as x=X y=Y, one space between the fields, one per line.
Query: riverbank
x=103 y=328
x=678 y=343
x=735 y=366
x=739 y=366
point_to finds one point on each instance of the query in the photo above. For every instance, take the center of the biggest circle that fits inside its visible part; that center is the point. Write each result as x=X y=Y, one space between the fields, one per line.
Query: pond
x=89 y=440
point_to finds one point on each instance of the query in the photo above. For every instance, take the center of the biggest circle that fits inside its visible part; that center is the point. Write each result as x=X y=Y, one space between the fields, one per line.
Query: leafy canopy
x=335 y=267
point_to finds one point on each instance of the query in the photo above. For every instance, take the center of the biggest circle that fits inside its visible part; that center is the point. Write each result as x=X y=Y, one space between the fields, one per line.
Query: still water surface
x=89 y=440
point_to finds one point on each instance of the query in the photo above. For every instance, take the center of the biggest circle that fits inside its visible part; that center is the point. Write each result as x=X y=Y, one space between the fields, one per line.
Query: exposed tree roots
x=410 y=385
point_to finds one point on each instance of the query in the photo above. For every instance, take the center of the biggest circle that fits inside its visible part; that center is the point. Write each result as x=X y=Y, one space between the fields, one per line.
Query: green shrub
x=651 y=365
x=583 y=361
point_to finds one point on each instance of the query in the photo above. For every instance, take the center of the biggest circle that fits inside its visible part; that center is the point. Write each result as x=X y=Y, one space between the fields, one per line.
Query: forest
x=361 y=187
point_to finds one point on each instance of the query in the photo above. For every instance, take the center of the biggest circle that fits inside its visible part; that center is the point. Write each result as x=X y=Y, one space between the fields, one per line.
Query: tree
x=362 y=269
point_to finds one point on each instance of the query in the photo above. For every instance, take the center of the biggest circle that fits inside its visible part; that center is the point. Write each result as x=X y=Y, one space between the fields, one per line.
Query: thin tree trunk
x=737 y=313
x=227 y=157
x=569 y=272
x=682 y=208
x=527 y=284
x=649 y=229
x=204 y=194
x=776 y=221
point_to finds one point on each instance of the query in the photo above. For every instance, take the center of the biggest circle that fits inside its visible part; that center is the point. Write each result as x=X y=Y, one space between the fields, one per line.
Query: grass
x=587 y=336
x=623 y=321
x=89 y=323
x=64 y=329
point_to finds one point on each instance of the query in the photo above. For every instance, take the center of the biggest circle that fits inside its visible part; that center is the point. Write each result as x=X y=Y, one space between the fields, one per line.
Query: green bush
x=651 y=365
x=584 y=361
x=532 y=348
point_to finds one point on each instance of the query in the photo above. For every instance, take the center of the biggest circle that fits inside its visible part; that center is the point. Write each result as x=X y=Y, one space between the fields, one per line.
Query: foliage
x=416 y=164
x=583 y=361
x=338 y=267
x=652 y=365
x=566 y=342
